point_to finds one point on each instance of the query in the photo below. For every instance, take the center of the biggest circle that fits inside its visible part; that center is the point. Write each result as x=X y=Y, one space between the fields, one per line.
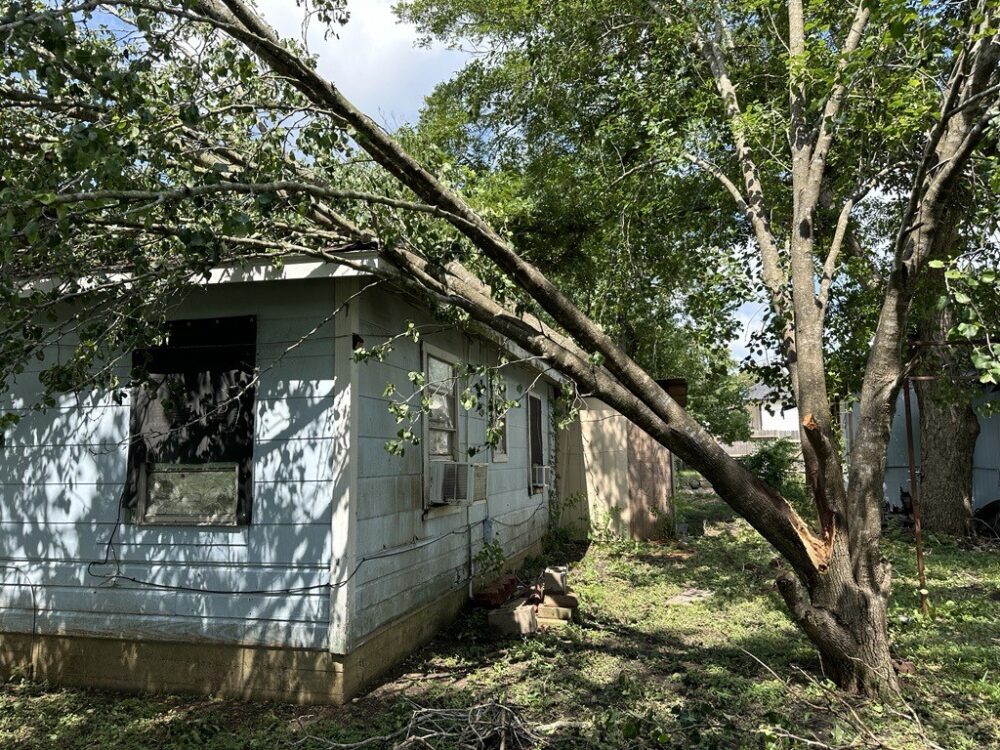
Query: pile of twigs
x=488 y=726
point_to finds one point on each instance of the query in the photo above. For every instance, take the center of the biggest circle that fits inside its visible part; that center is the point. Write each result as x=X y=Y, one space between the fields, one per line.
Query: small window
x=536 y=460
x=442 y=421
x=498 y=417
x=192 y=424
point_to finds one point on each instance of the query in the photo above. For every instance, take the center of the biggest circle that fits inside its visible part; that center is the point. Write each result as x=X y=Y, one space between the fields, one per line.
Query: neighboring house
x=769 y=420
x=257 y=539
x=985 y=460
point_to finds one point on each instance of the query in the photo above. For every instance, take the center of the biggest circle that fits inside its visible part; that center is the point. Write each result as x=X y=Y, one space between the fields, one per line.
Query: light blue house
x=258 y=539
x=986 y=459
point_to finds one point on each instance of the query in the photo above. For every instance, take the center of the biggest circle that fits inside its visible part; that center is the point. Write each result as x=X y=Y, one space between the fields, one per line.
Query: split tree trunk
x=843 y=611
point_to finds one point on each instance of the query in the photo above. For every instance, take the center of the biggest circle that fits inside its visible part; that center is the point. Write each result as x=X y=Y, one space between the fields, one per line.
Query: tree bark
x=948 y=426
x=844 y=615
x=948 y=432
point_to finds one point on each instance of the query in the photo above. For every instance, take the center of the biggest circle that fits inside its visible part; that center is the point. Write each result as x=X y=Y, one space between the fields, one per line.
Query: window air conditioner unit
x=541 y=476
x=449 y=483
x=480 y=482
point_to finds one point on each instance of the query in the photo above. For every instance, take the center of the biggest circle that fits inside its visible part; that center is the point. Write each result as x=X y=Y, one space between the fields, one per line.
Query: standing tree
x=149 y=137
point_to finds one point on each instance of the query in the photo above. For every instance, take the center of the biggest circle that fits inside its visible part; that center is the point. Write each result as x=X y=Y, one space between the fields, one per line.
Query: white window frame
x=429 y=510
x=499 y=456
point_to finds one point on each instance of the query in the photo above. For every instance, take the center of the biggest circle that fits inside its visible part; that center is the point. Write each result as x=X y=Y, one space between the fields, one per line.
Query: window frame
x=194 y=519
x=241 y=333
x=534 y=489
x=432 y=352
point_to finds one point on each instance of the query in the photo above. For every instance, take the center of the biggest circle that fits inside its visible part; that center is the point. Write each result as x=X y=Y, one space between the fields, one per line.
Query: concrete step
x=515 y=618
x=554 y=613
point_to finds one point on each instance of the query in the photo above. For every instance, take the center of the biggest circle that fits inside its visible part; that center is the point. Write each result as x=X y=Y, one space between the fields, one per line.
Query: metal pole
x=915 y=500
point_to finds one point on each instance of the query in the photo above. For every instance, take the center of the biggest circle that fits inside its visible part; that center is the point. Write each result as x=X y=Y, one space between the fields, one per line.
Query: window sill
x=202 y=525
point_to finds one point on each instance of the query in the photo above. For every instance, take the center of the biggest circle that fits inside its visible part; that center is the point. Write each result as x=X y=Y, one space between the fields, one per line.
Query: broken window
x=192 y=425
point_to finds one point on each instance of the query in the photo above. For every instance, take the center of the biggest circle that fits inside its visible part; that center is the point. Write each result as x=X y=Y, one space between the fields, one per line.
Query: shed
x=613 y=477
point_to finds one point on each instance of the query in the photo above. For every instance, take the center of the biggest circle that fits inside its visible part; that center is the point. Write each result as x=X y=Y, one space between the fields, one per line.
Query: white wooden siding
x=61 y=476
x=408 y=558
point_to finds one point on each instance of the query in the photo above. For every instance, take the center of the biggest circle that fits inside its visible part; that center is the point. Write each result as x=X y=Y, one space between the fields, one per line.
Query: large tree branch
x=635 y=394
x=752 y=199
x=169 y=195
x=835 y=101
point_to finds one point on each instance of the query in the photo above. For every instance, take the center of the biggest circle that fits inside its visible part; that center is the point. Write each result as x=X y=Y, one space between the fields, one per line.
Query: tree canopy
x=736 y=142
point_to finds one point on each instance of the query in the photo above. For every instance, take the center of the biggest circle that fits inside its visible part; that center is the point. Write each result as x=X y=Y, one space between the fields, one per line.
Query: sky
x=377 y=63
x=375 y=60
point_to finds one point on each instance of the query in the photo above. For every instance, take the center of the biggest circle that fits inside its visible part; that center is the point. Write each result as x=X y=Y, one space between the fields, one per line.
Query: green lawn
x=726 y=670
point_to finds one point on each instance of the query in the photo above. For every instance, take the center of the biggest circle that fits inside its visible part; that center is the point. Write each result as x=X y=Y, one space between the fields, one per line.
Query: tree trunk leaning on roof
x=838 y=585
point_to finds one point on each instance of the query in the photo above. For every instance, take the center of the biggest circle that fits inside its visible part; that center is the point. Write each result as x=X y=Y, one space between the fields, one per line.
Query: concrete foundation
x=224 y=670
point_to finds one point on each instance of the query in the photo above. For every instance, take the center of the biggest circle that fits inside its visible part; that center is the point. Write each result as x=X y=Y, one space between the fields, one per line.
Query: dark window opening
x=536 y=461
x=192 y=425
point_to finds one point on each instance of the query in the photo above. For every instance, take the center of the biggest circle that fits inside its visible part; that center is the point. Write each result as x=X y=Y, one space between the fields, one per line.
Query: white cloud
x=374 y=60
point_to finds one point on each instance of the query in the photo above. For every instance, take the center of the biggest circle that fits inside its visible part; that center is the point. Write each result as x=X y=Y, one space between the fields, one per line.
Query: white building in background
x=769 y=420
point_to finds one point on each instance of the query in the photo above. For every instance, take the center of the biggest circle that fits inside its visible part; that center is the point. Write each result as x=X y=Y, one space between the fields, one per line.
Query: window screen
x=192 y=424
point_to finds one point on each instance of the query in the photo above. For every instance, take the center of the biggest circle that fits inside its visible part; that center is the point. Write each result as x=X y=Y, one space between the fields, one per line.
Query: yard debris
x=497 y=592
x=569 y=600
x=555 y=579
x=545 y=603
x=518 y=617
x=485 y=726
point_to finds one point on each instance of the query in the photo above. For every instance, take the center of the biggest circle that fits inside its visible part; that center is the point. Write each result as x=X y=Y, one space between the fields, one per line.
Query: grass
x=727 y=670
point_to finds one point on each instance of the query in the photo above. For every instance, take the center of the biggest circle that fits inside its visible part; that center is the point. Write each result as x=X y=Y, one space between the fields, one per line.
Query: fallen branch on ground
x=488 y=725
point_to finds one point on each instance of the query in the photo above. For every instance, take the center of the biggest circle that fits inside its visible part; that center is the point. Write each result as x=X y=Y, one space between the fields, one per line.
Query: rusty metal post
x=915 y=500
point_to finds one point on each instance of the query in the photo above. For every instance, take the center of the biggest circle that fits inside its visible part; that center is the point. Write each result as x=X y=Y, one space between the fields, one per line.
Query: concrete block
x=569 y=600
x=517 y=618
x=554 y=613
x=555 y=579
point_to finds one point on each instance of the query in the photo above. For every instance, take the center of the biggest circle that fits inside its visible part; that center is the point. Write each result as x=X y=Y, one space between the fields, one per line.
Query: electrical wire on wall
x=110 y=556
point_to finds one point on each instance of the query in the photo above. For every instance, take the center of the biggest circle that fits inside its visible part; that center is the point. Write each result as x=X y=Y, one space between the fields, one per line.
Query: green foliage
x=575 y=126
x=777 y=462
x=972 y=290
x=490 y=561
